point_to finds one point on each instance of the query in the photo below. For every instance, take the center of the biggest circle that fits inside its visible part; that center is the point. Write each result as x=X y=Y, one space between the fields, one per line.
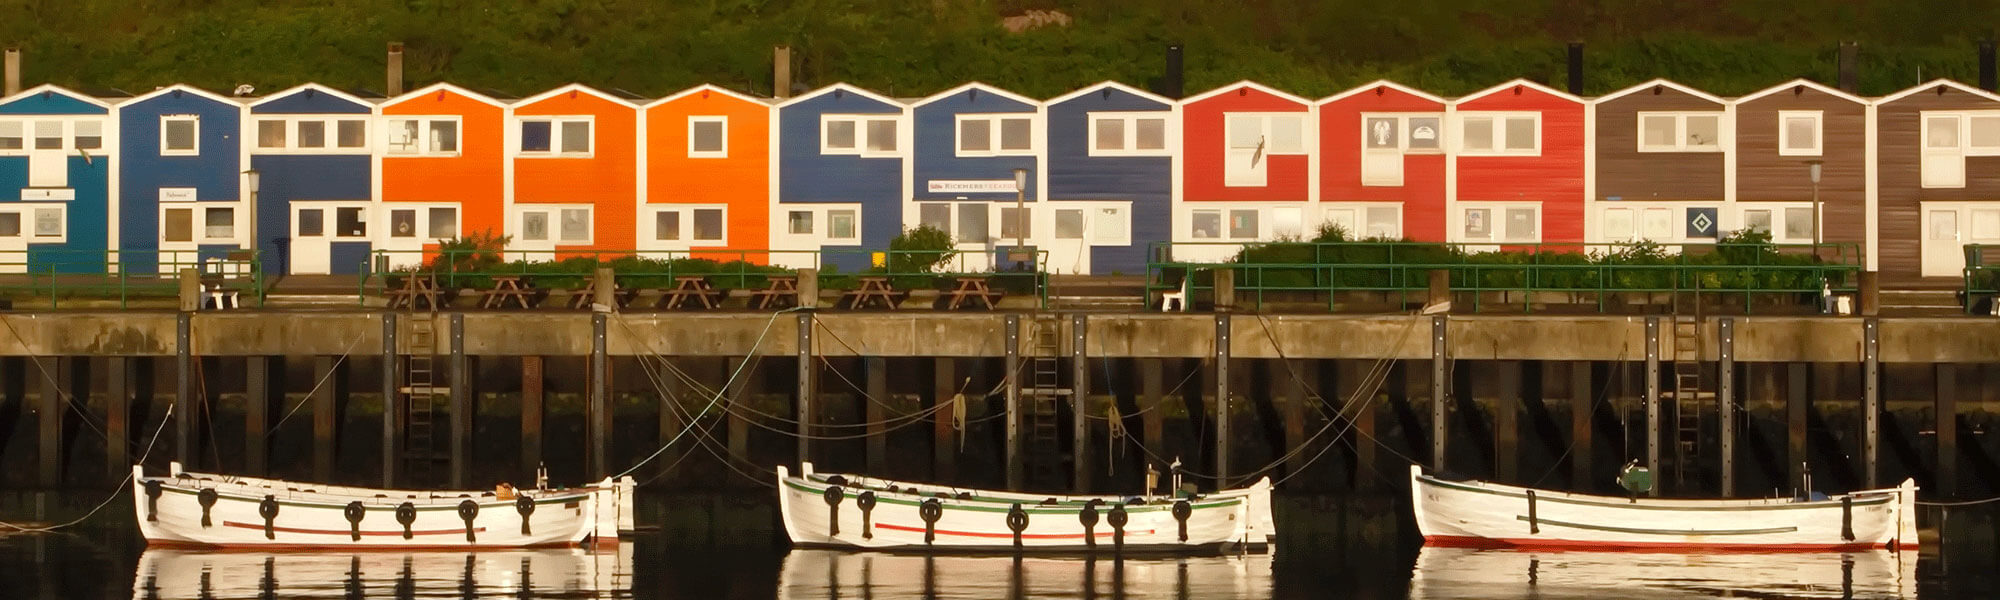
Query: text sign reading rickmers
x=957 y=186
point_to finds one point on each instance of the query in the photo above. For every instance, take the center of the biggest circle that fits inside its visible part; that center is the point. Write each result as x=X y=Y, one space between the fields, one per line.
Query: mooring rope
x=115 y=492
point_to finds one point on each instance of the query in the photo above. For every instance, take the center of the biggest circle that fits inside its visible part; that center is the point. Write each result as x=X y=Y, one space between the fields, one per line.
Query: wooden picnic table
x=872 y=289
x=695 y=286
x=583 y=298
x=970 y=288
x=415 y=285
x=782 y=291
x=505 y=288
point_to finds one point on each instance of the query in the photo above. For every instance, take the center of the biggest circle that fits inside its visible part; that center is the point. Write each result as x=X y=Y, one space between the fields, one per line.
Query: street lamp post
x=1020 y=217
x=1813 y=168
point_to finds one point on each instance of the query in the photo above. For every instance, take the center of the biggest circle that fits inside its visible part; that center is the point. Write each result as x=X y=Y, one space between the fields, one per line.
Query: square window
x=403 y=223
x=1207 y=224
x=1245 y=132
x=1799 y=224
x=1110 y=134
x=1704 y=131
x=219 y=222
x=10 y=224
x=799 y=222
x=1380 y=133
x=178 y=135
x=1658 y=224
x=1757 y=220
x=667 y=225
x=350 y=222
x=1152 y=134
x=11 y=138
x=840 y=225
x=1478 y=223
x=705 y=137
x=1941 y=132
x=1800 y=135
x=935 y=215
x=1521 y=133
x=1383 y=222
x=576 y=137
x=351 y=133
x=312 y=134
x=1985 y=133
x=403 y=136
x=312 y=222
x=535 y=226
x=1013 y=221
x=1069 y=224
x=1521 y=224
x=882 y=135
x=535 y=136
x=1657 y=131
x=1287 y=221
x=708 y=224
x=972 y=223
x=271 y=134
x=444 y=136
x=839 y=135
x=1425 y=132
x=1110 y=226
x=1478 y=134
x=443 y=223
x=1985 y=224
x=974 y=135
x=1618 y=226
x=1016 y=134
x=1288 y=134
x=89 y=134
x=48 y=135
x=48 y=222
x=576 y=224
x=1243 y=224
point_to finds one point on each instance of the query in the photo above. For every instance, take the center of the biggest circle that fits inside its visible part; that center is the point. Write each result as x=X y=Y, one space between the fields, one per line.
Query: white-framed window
x=430 y=223
x=1951 y=136
x=1234 y=224
x=50 y=224
x=1799 y=132
x=198 y=222
x=64 y=133
x=967 y=222
x=1500 y=133
x=1387 y=137
x=1007 y=134
x=860 y=135
x=349 y=222
x=691 y=224
x=563 y=224
x=832 y=224
x=1364 y=220
x=708 y=136
x=1680 y=131
x=13 y=136
x=1501 y=222
x=180 y=135
x=423 y=136
x=1128 y=133
x=1013 y=219
x=1250 y=139
x=566 y=137
x=311 y=135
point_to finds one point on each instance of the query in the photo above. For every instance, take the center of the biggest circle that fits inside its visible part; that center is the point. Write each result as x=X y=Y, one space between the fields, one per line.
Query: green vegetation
x=913 y=47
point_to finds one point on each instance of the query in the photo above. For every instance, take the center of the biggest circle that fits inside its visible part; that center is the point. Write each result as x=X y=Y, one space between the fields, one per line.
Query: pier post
x=1796 y=398
x=1152 y=394
x=462 y=400
x=1506 y=420
x=1222 y=408
x=806 y=391
x=735 y=396
x=944 y=449
x=600 y=397
x=1015 y=470
x=393 y=403
x=533 y=390
x=1652 y=400
x=1354 y=397
x=118 y=418
x=1440 y=382
x=1079 y=404
x=1583 y=412
x=1947 y=429
x=324 y=406
x=877 y=451
x=53 y=372
x=1725 y=395
x=183 y=392
x=1296 y=393
x=1871 y=399
x=256 y=414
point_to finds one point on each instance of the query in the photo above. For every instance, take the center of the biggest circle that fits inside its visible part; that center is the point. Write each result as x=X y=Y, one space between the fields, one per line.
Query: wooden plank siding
x=1762 y=175
x=1625 y=173
x=1900 y=192
x=1340 y=151
x=739 y=180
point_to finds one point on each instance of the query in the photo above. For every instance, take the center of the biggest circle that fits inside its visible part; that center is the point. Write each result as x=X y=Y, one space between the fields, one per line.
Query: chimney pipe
x=1170 y=82
x=781 y=72
x=395 y=70
x=1850 y=78
x=1989 y=79
x=13 y=71
x=1576 y=68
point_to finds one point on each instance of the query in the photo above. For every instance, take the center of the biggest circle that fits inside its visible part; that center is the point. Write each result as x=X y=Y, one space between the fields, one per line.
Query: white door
x=1943 y=246
x=312 y=248
x=14 y=240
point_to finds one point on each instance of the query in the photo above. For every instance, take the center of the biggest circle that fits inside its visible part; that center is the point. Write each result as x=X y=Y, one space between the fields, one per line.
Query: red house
x=1517 y=165
x=1245 y=165
x=1382 y=163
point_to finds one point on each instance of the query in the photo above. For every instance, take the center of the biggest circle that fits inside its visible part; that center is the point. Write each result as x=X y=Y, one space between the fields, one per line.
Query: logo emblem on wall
x=1382 y=133
x=1701 y=222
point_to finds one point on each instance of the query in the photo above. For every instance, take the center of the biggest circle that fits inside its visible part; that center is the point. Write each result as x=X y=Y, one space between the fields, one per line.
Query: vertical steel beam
x=600 y=397
x=1222 y=403
x=49 y=418
x=256 y=414
x=1015 y=469
x=394 y=403
x=1079 y=403
x=184 y=392
x=118 y=418
x=1725 y=395
x=462 y=402
x=1652 y=401
x=1871 y=399
x=806 y=393
x=1947 y=429
x=533 y=391
x=1440 y=397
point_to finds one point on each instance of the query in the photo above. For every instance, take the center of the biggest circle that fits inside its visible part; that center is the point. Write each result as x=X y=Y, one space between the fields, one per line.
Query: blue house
x=55 y=181
x=1110 y=177
x=970 y=142
x=181 y=180
x=843 y=153
x=313 y=186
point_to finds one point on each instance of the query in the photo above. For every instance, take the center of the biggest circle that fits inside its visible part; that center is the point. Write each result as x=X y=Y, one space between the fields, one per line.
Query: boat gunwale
x=805 y=485
x=1860 y=498
x=436 y=503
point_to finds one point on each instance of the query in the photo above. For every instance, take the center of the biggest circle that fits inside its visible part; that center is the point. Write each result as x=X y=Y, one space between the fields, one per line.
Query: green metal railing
x=1402 y=269
x=54 y=276
x=723 y=269
x=1979 y=278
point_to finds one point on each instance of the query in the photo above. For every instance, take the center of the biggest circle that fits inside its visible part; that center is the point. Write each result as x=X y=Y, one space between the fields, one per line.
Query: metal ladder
x=421 y=397
x=1045 y=395
x=1687 y=396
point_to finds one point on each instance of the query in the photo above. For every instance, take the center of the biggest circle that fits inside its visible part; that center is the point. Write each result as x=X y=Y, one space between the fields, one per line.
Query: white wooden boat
x=185 y=574
x=1484 y=513
x=1509 y=573
x=819 y=574
x=852 y=511
x=205 y=509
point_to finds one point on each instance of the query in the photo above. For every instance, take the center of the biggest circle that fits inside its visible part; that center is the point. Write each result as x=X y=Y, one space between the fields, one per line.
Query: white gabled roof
x=53 y=88
x=1523 y=82
x=1801 y=82
x=1384 y=83
x=572 y=89
x=1113 y=85
x=316 y=88
x=1245 y=84
x=841 y=87
x=1660 y=83
x=180 y=87
x=708 y=87
x=1933 y=84
x=445 y=87
x=984 y=87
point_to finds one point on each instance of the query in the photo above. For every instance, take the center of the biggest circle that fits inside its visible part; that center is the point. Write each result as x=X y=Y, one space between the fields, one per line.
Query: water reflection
x=827 y=574
x=1451 y=573
x=569 y=573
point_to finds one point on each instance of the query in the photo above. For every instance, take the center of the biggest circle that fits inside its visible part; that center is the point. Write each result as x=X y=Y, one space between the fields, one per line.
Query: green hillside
x=916 y=47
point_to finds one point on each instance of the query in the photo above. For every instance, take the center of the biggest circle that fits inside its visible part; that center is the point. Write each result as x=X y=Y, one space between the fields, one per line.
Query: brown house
x=1661 y=153
x=1780 y=132
x=1938 y=186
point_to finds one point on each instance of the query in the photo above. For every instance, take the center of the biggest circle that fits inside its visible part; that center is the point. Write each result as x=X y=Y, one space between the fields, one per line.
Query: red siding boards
x=1422 y=192
x=1202 y=122
x=1555 y=178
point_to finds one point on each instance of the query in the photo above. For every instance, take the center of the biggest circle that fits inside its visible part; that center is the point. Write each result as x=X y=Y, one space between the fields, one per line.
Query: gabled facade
x=56 y=153
x=181 y=178
x=1937 y=165
x=1110 y=178
x=575 y=160
x=1517 y=166
x=842 y=156
x=1245 y=168
x=314 y=189
x=707 y=174
x=1779 y=132
x=444 y=170
x=1382 y=163
x=967 y=143
x=1661 y=160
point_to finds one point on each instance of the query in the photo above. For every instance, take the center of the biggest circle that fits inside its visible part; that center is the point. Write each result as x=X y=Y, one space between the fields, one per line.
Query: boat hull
x=1485 y=514
x=180 y=574
x=1505 y=573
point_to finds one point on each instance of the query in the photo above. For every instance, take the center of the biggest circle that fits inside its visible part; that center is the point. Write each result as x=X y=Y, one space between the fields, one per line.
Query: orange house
x=443 y=173
x=574 y=156
x=707 y=174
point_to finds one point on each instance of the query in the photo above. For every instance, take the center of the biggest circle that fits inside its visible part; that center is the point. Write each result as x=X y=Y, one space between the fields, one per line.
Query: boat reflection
x=1450 y=573
x=168 y=574
x=817 y=574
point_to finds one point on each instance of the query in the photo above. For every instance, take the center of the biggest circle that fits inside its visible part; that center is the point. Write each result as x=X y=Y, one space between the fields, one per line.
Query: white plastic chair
x=1177 y=298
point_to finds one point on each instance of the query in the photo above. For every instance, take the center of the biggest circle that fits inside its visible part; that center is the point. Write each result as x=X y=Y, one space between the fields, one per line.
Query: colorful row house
x=707 y=176
x=181 y=179
x=314 y=179
x=56 y=214
x=842 y=180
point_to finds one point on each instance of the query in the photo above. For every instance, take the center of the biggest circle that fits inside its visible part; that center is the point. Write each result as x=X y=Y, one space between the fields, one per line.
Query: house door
x=13 y=240
x=328 y=238
x=1944 y=254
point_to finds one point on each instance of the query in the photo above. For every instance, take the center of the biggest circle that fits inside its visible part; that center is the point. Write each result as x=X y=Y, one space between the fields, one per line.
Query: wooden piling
x=876 y=453
x=256 y=415
x=944 y=428
x=323 y=410
x=1506 y=402
x=117 y=417
x=735 y=389
x=1152 y=395
x=1947 y=429
x=1796 y=396
x=533 y=390
x=1582 y=414
x=50 y=415
x=1353 y=396
x=1300 y=374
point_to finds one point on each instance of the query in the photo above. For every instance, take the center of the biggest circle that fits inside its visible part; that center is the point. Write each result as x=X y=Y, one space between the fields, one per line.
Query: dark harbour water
x=110 y=563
